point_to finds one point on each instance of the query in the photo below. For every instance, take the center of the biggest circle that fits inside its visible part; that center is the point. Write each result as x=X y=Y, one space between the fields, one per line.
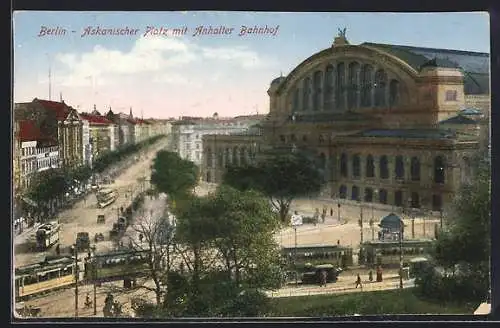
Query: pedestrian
x=331 y=211
x=358 y=282
x=379 y=274
x=323 y=278
x=58 y=250
x=323 y=215
x=370 y=276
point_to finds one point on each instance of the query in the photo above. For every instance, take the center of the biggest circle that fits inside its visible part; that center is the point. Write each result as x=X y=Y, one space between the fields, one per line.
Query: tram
x=106 y=197
x=388 y=252
x=47 y=235
x=117 y=265
x=45 y=276
x=318 y=254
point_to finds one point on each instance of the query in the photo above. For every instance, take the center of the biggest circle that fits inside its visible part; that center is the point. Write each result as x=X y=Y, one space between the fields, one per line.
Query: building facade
x=187 y=135
x=101 y=131
x=86 y=145
x=58 y=121
x=382 y=120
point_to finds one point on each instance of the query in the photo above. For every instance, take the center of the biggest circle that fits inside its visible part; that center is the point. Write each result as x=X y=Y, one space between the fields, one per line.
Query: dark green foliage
x=372 y=303
x=112 y=157
x=173 y=175
x=462 y=249
x=281 y=176
x=50 y=184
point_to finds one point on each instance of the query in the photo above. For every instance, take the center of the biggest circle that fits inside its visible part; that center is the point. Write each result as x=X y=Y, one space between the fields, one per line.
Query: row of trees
x=221 y=253
x=53 y=184
x=463 y=248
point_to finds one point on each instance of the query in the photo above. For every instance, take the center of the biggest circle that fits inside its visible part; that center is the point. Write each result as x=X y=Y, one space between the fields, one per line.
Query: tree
x=463 y=247
x=156 y=238
x=173 y=175
x=282 y=176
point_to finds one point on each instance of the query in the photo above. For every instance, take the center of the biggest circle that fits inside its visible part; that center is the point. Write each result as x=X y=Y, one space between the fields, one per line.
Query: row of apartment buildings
x=188 y=132
x=49 y=134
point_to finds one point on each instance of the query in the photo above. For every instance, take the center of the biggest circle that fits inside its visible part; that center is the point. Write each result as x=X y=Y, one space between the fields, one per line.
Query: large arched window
x=295 y=103
x=353 y=85
x=439 y=170
x=384 y=167
x=415 y=169
x=355 y=193
x=342 y=192
x=370 y=167
x=329 y=88
x=415 y=200
x=317 y=90
x=394 y=93
x=340 y=87
x=343 y=165
x=382 y=196
x=356 y=166
x=380 y=85
x=366 y=85
x=208 y=151
x=398 y=198
x=306 y=94
x=243 y=156
x=400 y=167
x=235 y=155
x=368 y=195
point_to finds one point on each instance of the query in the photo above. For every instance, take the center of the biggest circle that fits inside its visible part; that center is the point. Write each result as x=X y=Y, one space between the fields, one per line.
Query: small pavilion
x=391 y=226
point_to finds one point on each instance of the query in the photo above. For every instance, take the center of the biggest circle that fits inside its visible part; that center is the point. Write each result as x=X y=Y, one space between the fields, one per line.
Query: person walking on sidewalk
x=358 y=282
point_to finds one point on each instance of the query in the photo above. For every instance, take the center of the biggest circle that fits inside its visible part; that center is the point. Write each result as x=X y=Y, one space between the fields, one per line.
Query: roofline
x=462 y=52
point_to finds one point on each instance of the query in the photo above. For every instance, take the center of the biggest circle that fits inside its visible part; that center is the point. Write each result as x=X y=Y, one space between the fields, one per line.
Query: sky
x=165 y=75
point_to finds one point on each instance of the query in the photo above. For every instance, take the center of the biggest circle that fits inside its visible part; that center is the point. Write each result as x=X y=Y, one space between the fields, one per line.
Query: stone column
x=358 y=87
x=373 y=87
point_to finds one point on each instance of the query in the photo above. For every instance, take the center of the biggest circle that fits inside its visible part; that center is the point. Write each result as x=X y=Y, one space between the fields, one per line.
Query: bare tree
x=153 y=234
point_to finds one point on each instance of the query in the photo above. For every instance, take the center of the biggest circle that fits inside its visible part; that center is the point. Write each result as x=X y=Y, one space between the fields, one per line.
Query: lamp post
x=361 y=220
x=75 y=253
x=372 y=220
x=441 y=216
x=401 y=230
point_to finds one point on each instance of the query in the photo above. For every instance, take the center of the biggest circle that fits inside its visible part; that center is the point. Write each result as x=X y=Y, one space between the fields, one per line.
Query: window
x=304 y=138
x=355 y=193
x=394 y=92
x=353 y=85
x=342 y=192
x=197 y=146
x=400 y=167
x=282 y=138
x=370 y=167
x=380 y=84
x=356 y=166
x=382 y=196
x=293 y=137
x=398 y=198
x=415 y=169
x=209 y=177
x=366 y=85
x=343 y=165
x=437 y=203
x=368 y=195
x=451 y=95
x=306 y=93
x=415 y=200
x=384 y=167
x=439 y=170
x=339 y=91
x=317 y=90
x=197 y=155
x=295 y=105
x=329 y=88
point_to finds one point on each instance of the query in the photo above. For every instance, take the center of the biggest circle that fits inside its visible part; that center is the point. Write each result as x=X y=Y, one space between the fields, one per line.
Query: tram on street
x=318 y=254
x=47 y=235
x=388 y=252
x=45 y=276
x=117 y=265
x=106 y=197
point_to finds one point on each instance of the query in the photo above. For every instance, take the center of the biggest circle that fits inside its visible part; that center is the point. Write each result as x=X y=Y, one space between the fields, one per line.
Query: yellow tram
x=41 y=277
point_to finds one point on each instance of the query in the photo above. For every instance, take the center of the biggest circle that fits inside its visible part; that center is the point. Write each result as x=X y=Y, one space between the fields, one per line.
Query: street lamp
x=361 y=219
x=412 y=217
x=372 y=220
x=441 y=216
x=401 y=230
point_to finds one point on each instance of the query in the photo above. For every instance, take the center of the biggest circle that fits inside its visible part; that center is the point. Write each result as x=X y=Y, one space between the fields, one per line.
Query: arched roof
x=391 y=221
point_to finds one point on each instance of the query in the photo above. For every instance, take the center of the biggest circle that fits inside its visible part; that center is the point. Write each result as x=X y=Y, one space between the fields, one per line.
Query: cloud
x=161 y=59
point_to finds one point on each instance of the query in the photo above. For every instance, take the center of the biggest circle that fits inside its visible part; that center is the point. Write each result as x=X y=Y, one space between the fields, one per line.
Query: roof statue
x=340 y=39
x=342 y=32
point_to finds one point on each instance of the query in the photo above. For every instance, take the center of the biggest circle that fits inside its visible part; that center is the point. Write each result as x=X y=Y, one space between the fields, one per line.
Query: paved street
x=83 y=216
